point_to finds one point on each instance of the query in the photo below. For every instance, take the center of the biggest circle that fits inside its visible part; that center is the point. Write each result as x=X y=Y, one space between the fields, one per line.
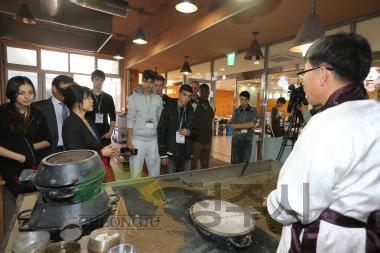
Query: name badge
x=99 y=118
x=244 y=131
x=149 y=124
x=179 y=138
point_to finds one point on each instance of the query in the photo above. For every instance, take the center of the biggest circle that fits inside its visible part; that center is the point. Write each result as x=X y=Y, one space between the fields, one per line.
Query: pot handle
x=114 y=201
x=56 y=194
x=23 y=226
x=244 y=242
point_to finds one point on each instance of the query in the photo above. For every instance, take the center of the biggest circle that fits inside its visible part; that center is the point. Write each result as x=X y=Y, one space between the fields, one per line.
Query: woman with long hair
x=80 y=132
x=23 y=130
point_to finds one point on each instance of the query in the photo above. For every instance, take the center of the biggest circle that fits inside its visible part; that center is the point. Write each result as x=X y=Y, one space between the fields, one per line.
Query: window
x=52 y=60
x=41 y=66
x=82 y=63
x=108 y=66
x=83 y=80
x=22 y=56
x=113 y=87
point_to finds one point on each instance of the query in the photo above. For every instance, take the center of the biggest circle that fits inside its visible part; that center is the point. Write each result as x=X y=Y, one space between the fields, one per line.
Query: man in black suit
x=55 y=112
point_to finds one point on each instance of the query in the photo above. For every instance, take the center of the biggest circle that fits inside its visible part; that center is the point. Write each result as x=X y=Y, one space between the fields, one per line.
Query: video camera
x=296 y=97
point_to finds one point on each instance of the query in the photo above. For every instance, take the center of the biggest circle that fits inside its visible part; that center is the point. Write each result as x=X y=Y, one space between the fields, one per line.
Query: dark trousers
x=201 y=152
x=178 y=165
x=241 y=150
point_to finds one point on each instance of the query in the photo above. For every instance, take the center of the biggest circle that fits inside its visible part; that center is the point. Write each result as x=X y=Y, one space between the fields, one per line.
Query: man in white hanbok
x=328 y=189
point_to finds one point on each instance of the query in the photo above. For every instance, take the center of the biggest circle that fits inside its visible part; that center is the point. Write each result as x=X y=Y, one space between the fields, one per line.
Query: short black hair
x=204 y=87
x=281 y=100
x=97 y=73
x=61 y=79
x=185 y=87
x=149 y=74
x=75 y=94
x=245 y=94
x=160 y=78
x=349 y=55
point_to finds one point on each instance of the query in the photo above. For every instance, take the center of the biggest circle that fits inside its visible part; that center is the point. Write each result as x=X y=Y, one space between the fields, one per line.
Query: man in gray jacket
x=144 y=111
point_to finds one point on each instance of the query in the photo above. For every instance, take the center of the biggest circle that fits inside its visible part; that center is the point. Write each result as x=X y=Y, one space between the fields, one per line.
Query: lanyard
x=90 y=128
x=98 y=103
x=147 y=105
x=180 y=119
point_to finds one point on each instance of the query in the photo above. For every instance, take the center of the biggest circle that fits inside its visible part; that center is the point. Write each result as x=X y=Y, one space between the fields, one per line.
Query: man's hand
x=184 y=132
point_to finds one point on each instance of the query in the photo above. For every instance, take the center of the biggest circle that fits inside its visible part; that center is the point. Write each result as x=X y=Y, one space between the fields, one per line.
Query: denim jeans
x=241 y=150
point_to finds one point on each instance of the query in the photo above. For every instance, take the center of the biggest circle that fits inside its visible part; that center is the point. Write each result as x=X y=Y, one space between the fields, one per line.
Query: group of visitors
x=161 y=129
x=65 y=121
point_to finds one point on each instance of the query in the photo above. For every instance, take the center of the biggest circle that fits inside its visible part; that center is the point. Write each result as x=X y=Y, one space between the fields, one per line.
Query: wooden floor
x=221 y=148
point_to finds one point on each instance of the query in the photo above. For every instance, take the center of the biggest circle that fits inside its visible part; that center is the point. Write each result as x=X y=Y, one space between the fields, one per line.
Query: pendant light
x=254 y=50
x=186 y=6
x=186 y=67
x=24 y=15
x=310 y=30
x=118 y=55
x=140 y=37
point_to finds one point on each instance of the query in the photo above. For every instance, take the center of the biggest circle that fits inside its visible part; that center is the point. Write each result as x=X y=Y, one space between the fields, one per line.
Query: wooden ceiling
x=218 y=27
x=214 y=30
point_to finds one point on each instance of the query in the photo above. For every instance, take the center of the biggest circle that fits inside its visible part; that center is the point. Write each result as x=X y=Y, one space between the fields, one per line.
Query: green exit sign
x=231 y=59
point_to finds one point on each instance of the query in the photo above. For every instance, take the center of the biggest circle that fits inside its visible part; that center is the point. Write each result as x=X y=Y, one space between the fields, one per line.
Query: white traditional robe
x=335 y=164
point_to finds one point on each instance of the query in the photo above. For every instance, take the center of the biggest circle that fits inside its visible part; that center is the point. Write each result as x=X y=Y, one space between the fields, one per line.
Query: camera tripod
x=292 y=132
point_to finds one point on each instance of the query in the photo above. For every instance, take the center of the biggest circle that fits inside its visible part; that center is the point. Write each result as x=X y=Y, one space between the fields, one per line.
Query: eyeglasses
x=300 y=75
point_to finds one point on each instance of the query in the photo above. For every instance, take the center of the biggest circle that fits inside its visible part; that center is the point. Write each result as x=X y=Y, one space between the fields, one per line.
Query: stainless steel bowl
x=123 y=248
x=102 y=239
x=64 y=247
x=35 y=241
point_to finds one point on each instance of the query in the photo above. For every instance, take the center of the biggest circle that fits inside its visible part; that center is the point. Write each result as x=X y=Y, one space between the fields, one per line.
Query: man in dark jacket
x=55 y=112
x=204 y=117
x=176 y=132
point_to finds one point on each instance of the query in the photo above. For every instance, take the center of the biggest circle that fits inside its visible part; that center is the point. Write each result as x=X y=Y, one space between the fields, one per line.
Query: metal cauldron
x=71 y=202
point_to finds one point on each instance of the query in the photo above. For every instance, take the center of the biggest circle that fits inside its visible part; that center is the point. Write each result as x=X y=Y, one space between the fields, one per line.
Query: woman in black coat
x=24 y=132
x=79 y=132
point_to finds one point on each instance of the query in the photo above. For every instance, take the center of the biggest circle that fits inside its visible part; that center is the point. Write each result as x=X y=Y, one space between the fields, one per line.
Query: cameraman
x=328 y=188
x=306 y=113
x=276 y=117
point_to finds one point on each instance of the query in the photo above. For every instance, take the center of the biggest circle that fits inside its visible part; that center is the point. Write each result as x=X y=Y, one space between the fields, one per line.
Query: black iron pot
x=222 y=224
x=71 y=176
x=71 y=202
